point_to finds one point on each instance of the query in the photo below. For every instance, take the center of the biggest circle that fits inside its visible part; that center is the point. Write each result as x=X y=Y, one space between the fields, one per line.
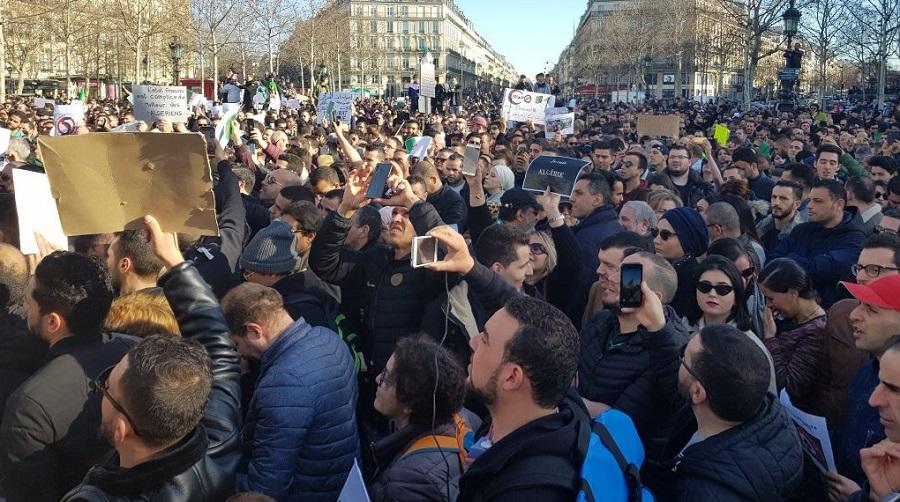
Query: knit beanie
x=271 y=251
x=690 y=228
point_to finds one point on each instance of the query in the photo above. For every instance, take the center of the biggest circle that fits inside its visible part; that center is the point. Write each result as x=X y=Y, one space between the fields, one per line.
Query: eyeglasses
x=384 y=378
x=247 y=274
x=878 y=230
x=748 y=272
x=269 y=180
x=688 y=368
x=871 y=270
x=537 y=248
x=721 y=289
x=667 y=234
x=100 y=386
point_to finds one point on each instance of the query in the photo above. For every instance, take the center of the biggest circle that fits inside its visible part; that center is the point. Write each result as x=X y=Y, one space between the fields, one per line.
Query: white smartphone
x=470 y=160
x=424 y=251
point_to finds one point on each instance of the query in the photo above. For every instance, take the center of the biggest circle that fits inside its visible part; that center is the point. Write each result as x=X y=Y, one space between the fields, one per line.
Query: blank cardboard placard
x=37 y=212
x=107 y=182
x=659 y=126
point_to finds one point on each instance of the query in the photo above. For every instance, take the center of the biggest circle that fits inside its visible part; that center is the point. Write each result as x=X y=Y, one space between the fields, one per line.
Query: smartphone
x=378 y=181
x=470 y=160
x=424 y=251
x=209 y=132
x=630 y=295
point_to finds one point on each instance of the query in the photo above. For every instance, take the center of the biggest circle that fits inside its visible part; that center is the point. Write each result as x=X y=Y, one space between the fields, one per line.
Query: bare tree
x=213 y=23
x=821 y=26
x=275 y=19
x=755 y=18
x=880 y=20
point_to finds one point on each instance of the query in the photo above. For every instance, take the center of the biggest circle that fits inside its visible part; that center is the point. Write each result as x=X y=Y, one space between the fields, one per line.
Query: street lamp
x=792 y=59
x=647 y=62
x=322 y=77
x=791 y=19
x=175 y=49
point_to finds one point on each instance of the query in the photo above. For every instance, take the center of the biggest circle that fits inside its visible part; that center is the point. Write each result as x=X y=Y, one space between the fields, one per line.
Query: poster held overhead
x=563 y=123
x=522 y=106
x=37 y=212
x=558 y=173
x=341 y=103
x=104 y=183
x=668 y=126
x=155 y=102
x=67 y=118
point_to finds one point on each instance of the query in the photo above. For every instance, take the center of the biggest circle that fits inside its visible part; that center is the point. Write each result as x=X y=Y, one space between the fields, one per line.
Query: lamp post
x=175 y=49
x=792 y=58
x=322 y=77
x=647 y=62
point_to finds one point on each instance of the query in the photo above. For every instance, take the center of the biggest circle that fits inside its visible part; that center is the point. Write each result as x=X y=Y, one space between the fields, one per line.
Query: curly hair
x=419 y=364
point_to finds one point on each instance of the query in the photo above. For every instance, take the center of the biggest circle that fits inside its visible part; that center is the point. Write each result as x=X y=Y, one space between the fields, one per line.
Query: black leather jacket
x=202 y=466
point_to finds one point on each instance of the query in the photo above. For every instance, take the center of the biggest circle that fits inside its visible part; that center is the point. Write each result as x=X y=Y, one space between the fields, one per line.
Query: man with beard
x=171 y=406
x=629 y=356
x=48 y=437
x=132 y=264
x=785 y=202
x=732 y=441
x=690 y=185
x=522 y=366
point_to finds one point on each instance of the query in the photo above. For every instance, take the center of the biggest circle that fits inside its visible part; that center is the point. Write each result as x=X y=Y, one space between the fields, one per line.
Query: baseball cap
x=478 y=120
x=517 y=198
x=880 y=293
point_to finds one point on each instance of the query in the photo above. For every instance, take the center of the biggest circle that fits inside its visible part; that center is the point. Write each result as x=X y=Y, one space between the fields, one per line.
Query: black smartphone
x=378 y=181
x=630 y=295
x=209 y=132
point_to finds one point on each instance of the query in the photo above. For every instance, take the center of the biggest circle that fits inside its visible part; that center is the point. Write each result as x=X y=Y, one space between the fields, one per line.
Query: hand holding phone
x=470 y=160
x=378 y=181
x=424 y=251
x=630 y=296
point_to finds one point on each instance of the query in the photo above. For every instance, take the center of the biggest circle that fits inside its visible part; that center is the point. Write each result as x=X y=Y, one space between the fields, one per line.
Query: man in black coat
x=733 y=440
x=171 y=406
x=48 y=436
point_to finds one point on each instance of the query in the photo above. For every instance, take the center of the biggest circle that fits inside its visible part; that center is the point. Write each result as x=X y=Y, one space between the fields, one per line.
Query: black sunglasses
x=537 y=248
x=748 y=272
x=100 y=386
x=721 y=289
x=666 y=234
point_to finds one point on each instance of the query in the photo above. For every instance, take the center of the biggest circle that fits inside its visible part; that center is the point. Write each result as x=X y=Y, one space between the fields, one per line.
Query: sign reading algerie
x=522 y=106
x=155 y=102
x=557 y=173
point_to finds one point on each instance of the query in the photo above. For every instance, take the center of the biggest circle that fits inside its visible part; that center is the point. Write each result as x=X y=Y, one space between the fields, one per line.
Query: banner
x=655 y=126
x=341 y=103
x=67 y=118
x=105 y=183
x=563 y=123
x=42 y=102
x=522 y=106
x=558 y=173
x=427 y=80
x=155 y=102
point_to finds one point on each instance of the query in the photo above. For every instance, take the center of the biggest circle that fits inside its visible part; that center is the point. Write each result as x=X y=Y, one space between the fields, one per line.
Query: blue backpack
x=612 y=461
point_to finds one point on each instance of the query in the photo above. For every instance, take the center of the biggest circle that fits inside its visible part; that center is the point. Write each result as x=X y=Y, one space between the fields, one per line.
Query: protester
x=681 y=239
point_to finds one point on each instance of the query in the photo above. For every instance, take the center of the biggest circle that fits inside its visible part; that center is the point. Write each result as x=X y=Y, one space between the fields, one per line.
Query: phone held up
x=630 y=295
x=424 y=251
x=378 y=181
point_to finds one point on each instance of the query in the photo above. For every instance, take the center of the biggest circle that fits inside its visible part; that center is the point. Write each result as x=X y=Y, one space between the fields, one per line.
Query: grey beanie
x=271 y=251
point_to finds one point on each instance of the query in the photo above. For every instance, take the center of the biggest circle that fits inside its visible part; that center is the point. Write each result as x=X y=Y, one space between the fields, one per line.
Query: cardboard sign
x=564 y=123
x=657 y=126
x=813 y=432
x=105 y=183
x=5 y=134
x=522 y=106
x=558 y=173
x=67 y=118
x=37 y=212
x=428 y=82
x=341 y=103
x=154 y=102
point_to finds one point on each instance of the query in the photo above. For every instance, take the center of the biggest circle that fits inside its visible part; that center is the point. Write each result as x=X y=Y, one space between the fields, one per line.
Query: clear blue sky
x=528 y=32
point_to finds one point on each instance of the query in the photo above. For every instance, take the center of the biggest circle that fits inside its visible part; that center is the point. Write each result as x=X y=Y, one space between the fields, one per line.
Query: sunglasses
x=537 y=248
x=721 y=289
x=100 y=387
x=666 y=234
x=748 y=272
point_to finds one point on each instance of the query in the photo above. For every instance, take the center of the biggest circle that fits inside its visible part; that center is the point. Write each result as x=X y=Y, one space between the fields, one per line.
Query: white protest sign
x=813 y=432
x=67 y=118
x=37 y=212
x=420 y=147
x=559 y=110
x=229 y=107
x=198 y=100
x=154 y=102
x=275 y=102
x=42 y=102
x=522 y=106
x=341 y=103
x=426 y=77
x=4 y=140
x=127 y=127
x=293 y=104
x=354 y=489
x=223 y=128
x=563 y=123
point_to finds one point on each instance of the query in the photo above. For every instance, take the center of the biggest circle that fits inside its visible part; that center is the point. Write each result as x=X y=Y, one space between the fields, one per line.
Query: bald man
x=276 y=145
x=274 y=182
x=21 y=353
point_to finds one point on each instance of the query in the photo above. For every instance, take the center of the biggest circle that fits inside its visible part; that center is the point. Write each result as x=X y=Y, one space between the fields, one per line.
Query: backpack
x=612 y=461
x=432 y=442
x=318 y=308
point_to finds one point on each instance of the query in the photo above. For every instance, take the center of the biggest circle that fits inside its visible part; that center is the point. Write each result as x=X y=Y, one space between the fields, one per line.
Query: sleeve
x=329 y=259
x=284 y=416
x=424 y=217
x=829 y=266
x=232 y=215
x=273 y=151
x=852 y=166
x=479 y=219
x=796 y=367
x=489 y=287
x=659 y=382
x=243 y=156
x=568 y=264
x=457 y=211
x=29 y=469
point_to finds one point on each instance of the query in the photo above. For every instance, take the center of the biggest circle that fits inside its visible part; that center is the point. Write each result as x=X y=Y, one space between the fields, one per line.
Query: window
x=421 y=11
x=392 y=43
x=435 y=27
x=422 y=27
x=422 y=43
x=373 y=26
x=357 y=10
x=389 y=10
x=436 y=43
x=404 y=26
x=404 y=10
x=373 y=10
x=405 y=42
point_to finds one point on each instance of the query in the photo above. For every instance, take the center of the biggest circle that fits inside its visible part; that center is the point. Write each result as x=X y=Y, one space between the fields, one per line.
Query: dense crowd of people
x=268 y=361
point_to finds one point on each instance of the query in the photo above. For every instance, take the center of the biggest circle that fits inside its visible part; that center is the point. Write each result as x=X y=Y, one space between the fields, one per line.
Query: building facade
x=390 y=36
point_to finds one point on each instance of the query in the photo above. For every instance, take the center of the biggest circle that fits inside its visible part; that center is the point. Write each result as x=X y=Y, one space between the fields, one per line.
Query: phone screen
x=630 y=286
x=378 y=181
x=470 y=160
x=209 y=132
x=424 y=251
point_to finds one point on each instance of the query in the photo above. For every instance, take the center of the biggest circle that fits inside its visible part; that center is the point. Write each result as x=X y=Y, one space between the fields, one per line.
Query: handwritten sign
x=562 y=123
x=655 y=126
x=558 y=173
x=522 y=106
x=154 y=102
x=426 y=77
x=341 y=103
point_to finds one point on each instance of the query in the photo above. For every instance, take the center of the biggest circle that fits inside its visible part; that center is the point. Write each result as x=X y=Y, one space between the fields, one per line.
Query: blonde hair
x=141 y=314
x=657 y=198
x=547 y=241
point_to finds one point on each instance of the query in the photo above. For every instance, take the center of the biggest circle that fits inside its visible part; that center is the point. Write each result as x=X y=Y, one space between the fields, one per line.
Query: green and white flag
x=225 y=125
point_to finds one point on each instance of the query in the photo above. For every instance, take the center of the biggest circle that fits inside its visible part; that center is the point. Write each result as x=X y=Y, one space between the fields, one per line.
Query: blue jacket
x=300 y=436
x=598 y=225
x=826 y=253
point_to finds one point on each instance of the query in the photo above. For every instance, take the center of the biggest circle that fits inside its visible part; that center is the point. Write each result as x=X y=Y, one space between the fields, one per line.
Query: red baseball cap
x=884 y=292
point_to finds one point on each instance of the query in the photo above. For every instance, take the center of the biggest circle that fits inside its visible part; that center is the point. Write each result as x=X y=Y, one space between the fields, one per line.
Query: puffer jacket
x=428 y=474
x=760 y=460
x=395 y=295
x=300 y=436
x=202 y=466
x=636 y=373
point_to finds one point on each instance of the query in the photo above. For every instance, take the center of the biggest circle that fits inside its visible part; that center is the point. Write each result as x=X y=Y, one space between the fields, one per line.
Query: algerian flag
x=261 y=96
x=82 y=93
x=225 y=125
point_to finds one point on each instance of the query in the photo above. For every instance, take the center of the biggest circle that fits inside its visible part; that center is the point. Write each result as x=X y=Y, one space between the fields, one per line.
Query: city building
x=387 y=38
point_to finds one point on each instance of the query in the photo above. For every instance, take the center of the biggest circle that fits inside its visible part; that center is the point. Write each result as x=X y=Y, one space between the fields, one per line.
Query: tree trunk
x=302 y=75
x=68 y=46
x=215 y=55
x=2 y=56
x=749 y=70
